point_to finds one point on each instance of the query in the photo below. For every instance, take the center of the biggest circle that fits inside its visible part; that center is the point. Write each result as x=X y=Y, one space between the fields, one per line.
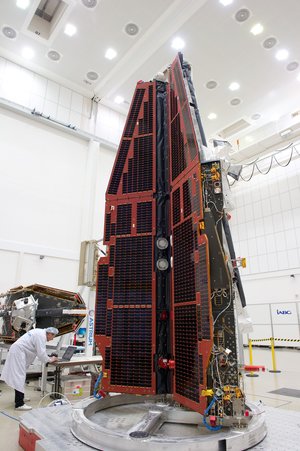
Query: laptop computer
x=68 y=354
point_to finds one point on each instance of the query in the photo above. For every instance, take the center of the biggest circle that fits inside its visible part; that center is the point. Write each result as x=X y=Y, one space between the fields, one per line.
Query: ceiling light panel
x=298 y=77
x=178 y=43
x=70 y=29
x=212 y=116
x=119 y=100
x=226 y=2
x=257 y=29
x=110 y=54
x=234 y=86
x=286 y=132
x=282 y=55
x=28 y=53
x=22 y=4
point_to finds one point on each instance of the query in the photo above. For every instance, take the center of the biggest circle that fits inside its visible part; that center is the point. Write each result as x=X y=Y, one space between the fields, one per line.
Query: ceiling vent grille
x=234 y=128
x=47 y=9
x=44 y=20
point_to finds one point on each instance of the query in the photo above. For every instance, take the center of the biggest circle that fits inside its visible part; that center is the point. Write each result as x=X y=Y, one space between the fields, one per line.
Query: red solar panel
x=192 y=330
x=125 y=302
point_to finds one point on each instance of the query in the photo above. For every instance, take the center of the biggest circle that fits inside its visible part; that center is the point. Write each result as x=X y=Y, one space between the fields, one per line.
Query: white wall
x=47 y=179
x=33 y=91
x=266 y=230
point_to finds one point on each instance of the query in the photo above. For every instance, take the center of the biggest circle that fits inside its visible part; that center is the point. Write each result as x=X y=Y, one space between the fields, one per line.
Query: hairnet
x=52 y=330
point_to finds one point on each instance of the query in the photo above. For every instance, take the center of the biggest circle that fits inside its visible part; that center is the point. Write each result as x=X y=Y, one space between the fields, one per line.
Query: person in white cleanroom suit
x=21 y=354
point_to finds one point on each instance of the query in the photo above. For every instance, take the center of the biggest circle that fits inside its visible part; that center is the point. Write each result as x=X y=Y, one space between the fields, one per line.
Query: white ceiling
x=217 y=46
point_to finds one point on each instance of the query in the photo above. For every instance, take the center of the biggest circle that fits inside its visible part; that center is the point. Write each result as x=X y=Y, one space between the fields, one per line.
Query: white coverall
x=21 y=354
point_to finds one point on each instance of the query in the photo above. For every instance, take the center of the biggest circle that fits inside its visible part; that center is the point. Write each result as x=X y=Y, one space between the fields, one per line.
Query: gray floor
x=288 y=361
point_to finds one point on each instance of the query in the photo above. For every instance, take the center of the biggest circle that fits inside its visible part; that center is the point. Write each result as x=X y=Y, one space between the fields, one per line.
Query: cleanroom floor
x=256 y=389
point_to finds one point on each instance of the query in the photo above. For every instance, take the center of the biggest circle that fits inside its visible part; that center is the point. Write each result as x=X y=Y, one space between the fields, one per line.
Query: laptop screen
x=69 y=353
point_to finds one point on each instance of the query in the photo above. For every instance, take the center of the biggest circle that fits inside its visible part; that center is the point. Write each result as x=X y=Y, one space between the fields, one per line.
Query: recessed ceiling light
x=131 y=29
x=282 y=55
x=292 y=66
x=53 y=55
x=70 y=29
x=255 y=116
x=275 y=117
x=235 y=102
x=9 y=32
x=257 y=29
x=212 y=116
x=110 y=54
x=286 y=132
x=119 y=99
x=225 y=2
x=269 y=43
x=27 y=53
x=242 y=15
x=178 y=43
x=234 y=86
x=23 y=4
x=298 y=77
x=211 y=84
x=92 y=75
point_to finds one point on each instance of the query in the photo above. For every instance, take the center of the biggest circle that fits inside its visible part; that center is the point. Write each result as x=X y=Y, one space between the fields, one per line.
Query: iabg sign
x=285 y=313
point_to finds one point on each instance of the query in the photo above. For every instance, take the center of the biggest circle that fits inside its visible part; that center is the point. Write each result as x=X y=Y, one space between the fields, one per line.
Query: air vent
x=242 y=15
x=212 y=84
x=292 y=66
x=234 y=128
x=131 y=29
x=53 y=55
x=235 y=102
x=255 y=116
x=89 y=3
x=46 y=18
x=269 y=43
x=9 y=32
x=93 y=76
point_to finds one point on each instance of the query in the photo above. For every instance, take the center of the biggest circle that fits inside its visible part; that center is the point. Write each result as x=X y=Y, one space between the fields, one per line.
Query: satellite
x=168 y=287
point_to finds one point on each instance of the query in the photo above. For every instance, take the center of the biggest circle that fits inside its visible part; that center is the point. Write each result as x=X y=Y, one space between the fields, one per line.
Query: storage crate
x=76 y=387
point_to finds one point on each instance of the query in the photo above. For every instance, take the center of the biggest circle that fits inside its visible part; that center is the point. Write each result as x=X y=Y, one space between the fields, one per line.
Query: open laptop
x=68 y=354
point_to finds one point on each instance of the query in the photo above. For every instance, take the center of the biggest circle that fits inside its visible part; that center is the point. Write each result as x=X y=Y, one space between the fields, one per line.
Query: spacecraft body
x=166 y=291
x=23 y=308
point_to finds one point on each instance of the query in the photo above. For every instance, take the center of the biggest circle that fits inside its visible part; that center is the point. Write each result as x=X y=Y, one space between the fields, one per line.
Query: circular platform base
x=130 y=422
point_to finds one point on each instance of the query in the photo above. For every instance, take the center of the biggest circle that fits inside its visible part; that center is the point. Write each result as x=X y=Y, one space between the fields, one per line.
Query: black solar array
x=202 y=272
x=187 y=198
x=184 y=266
x=144 y=217
x=176 y=206
x=119 y=166
x=131 y=354
x=124 y=212
x=177 y=145
x=101 y=300
x=133 y=271
x=186 y=348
